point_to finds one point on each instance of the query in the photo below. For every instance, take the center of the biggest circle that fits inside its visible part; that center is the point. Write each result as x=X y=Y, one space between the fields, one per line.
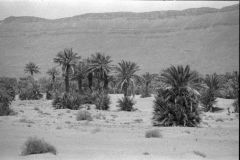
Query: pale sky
x=53 y=9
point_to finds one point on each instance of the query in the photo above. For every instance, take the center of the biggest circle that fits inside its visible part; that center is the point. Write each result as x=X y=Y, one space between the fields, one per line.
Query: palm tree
x=67 y=59
x=126 y=74
x=53 y=73
x=79 y=74
x=179 y=79
x=214 y=85
x=177 y=102
x=100 y=67
x=31 y=68
x=146 y=80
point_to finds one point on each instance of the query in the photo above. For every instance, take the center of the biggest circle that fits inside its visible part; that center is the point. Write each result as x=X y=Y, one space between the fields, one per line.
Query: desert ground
x=117 y=134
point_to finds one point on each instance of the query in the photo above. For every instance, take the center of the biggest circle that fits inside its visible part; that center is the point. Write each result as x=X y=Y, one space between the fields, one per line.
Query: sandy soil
x=118 y=135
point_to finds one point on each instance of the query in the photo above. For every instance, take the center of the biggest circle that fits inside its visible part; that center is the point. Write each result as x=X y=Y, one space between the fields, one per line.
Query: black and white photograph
x=119 y=80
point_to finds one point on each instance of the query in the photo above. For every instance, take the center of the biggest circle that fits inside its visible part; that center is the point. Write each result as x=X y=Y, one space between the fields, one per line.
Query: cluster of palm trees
x=100 y=73
x=181 y=89
x=97 y=68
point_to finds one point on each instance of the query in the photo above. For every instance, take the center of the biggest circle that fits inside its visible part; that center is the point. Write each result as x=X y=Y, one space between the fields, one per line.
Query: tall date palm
x=100 y=66
x=126 y=74
x=67 y=59
x=79 y=74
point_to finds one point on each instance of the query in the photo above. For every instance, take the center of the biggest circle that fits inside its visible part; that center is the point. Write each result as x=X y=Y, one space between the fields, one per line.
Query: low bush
x=33 y=145
x=29 y=89
x=30 y=95
x=207 y=100
x=230 y=82
x=89 y=98
x=102 y=101
x=49 y=95
x=84 y=115
x=67 y=100
x=179 y=111
x=153 y=134
x=7 y=95
x=126 y=104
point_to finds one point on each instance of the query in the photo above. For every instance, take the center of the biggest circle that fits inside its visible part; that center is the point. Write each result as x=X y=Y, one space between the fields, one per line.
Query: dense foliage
x=29 y=89
x=177 y=103
x=102 y=101
x=7 y=94
x=67 y=100
x=209 y=94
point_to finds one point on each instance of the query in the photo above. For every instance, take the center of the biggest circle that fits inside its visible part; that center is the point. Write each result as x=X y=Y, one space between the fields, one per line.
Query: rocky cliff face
x=205 y=38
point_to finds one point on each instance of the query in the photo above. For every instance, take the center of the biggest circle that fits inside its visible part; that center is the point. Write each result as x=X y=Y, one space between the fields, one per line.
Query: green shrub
x=175 y=111
x=126 y=104
x=84 y=115
x=89 y=98
x=207 y=100
x=7 y=95
x=49 y=95
x=67 y=100
x=102 y=101
x=29 y=89
x=209 y=94
x=230 y=83
x=33 y=145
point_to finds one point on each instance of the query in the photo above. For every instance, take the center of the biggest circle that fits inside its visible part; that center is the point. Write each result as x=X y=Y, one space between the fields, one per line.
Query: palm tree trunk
x=53 y=78
x=80 y=85
x=66 y=83
x=105 y=85
x=125 y=89
x=146 y=89
x=90 y=76
x=67 y=80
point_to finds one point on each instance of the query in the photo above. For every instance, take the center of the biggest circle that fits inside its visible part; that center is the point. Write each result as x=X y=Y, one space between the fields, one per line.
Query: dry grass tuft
x=24 y=120
x=199 y=154
x=34 y=145
x=58 y=127
x=96 y=130
x=36 y=109
x=84 y=115
x=219 y=120
x=153 y=134
x=146 y=153
x=100 y=116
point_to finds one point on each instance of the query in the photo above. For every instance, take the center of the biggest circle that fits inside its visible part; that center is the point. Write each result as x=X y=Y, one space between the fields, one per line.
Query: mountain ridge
x=208 y=42
x=151 y=14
